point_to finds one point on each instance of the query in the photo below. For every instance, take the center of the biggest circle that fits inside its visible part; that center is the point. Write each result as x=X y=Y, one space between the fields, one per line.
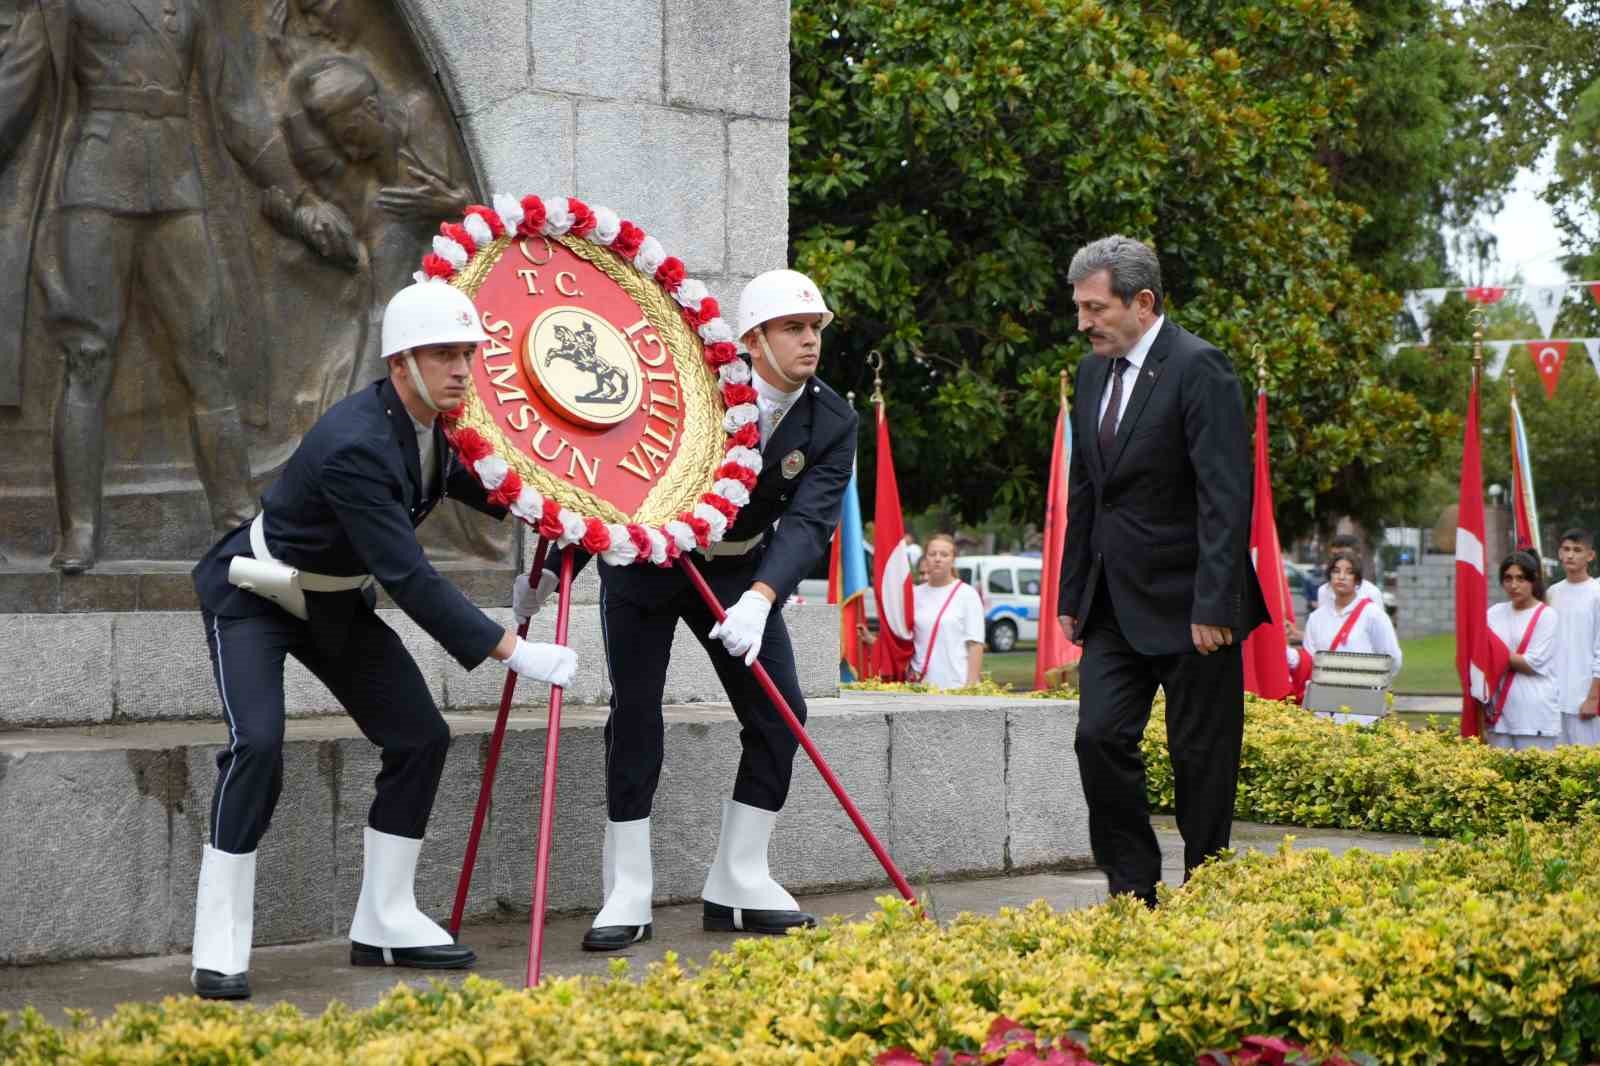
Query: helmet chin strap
x=772 y=360
x=420 y=385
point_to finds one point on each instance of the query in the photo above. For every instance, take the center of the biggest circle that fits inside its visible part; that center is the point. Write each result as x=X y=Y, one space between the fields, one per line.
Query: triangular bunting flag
x=1594 y=290
x=1546 y=303
x=1592 y=346
x=1502 y=351
x=1548 y=357
x=1420 y=303
x=1486 y=294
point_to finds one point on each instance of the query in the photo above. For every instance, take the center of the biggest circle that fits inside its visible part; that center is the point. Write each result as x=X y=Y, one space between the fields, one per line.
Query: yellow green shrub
x=1297 y=769
x=1471 y=952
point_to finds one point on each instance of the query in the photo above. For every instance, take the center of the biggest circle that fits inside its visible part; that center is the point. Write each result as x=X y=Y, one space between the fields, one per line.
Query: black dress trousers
x=1205 y=732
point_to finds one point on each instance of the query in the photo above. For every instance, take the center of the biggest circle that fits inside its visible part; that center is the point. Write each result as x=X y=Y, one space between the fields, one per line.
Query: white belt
x=732 y=547
x=308 y=581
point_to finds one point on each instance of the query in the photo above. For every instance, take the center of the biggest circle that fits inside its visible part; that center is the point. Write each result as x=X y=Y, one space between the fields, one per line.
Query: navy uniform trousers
x=368 y=670
x=639 y=611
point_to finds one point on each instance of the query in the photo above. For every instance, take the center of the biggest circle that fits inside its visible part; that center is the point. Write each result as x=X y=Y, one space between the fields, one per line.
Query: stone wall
x=672 y=112
x=1425 y=596
x=101 y=840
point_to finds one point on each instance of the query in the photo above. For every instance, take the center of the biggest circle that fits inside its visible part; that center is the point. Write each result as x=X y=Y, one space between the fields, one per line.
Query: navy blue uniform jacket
x=821 y=426
x=348 y=503
x=1163 y=521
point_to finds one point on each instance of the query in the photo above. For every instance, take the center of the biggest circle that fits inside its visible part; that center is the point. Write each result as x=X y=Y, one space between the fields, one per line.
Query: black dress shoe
x=209 y=984
x=720 y=919
x=616 y=937
x=438 y=957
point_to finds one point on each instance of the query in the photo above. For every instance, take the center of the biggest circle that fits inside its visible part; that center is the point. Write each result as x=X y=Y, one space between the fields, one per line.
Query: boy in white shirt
x=1577 y=603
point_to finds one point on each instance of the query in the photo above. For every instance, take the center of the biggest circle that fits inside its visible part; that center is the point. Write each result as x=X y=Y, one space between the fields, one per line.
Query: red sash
x=1503 y=689
x=914 y=675
x=1349 y=623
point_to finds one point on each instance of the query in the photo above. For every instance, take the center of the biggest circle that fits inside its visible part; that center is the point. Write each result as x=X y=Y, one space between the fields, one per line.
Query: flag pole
x=1481 y=725
x=855 y=636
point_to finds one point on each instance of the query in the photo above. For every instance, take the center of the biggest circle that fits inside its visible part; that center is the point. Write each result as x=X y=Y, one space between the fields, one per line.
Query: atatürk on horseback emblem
x=583 y=365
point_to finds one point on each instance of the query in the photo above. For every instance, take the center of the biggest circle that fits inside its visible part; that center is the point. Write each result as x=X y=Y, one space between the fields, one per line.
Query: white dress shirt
x=1577 y=639
x=1130 y=372
x=425 y=462
x=773 y=403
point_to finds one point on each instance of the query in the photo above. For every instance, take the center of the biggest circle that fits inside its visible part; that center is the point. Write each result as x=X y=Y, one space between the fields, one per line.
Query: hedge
x=1297 y=769
x=1468 y=952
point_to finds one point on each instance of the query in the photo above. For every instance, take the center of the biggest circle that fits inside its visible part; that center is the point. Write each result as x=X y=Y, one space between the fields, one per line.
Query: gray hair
x=1131 y=265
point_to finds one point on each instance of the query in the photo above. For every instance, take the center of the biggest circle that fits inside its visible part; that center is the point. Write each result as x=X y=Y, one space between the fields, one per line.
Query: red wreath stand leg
x=547 y=804
x=799 y=731
x=552 y=745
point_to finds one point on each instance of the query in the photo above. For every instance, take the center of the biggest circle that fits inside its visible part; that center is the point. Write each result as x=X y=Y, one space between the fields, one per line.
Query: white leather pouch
x=270 y=580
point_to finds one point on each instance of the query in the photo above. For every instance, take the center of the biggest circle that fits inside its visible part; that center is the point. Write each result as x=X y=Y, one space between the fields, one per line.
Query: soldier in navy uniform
x=298 y=580
x=808 y=438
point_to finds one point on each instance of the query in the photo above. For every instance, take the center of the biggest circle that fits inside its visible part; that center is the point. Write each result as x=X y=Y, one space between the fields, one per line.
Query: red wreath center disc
x=591 y=385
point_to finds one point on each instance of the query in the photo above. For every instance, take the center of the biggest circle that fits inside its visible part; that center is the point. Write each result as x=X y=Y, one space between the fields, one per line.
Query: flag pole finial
x=875 y=361
x=1260 y=354
x=1511 y=379
x=1065 y=385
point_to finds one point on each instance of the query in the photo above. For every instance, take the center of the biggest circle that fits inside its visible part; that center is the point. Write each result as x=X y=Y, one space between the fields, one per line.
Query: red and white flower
x=617 y=543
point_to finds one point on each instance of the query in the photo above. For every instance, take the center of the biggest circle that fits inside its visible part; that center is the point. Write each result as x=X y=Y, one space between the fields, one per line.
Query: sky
x=1528 y=241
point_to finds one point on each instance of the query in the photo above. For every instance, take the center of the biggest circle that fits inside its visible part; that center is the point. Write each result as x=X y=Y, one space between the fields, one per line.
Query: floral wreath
x=619 y=544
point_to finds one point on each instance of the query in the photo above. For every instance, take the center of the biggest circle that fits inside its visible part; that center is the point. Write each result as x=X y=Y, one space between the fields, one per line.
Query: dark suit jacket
x=1162 y=523
x=349 y=502
x=821 y=426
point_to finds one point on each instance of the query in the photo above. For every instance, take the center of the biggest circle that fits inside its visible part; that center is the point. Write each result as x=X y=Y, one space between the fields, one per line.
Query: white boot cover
x=739 y=876
x=224 y=911
x=387 y=914
x=626 y=874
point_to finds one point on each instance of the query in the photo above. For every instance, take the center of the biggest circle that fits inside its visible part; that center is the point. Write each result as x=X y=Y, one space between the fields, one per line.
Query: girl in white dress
x=1528 y=694
x=1369 y=631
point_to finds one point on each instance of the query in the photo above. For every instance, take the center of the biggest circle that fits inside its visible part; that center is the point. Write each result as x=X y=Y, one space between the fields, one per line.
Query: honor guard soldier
x=808 y=445
x=298 y=580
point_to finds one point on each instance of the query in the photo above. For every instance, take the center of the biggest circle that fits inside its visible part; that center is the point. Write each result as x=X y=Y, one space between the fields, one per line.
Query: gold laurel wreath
x=691 y=472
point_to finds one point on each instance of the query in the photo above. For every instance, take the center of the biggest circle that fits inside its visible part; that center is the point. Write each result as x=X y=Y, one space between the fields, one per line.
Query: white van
x=1009 y=586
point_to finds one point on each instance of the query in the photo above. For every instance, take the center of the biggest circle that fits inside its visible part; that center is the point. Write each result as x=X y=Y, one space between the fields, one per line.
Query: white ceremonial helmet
x=429 y=312
x=777 y=293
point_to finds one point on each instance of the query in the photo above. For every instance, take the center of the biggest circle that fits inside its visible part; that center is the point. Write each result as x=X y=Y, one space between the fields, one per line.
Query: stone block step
x=102 y=825
x=138 y=666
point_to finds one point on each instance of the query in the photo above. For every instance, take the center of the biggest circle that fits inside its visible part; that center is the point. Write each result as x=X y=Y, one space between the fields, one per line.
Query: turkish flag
x=1486 y=294
x=1548 y=357
x=1594 y=290
x=892 y=573
x=1481 y=657
x=1055 y=649
x=1266 y=649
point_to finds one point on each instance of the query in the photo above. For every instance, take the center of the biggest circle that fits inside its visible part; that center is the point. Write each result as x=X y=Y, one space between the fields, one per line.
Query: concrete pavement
x=312 y=975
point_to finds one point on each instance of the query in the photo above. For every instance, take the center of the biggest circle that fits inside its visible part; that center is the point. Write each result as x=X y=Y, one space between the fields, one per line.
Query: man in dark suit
x=1156 y=582
x=298 y=580
x=808 y=445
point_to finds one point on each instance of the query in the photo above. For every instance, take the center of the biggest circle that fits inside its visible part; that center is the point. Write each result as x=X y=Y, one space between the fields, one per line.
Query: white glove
x=741 y=631
x=526 y=598
x=544 y=662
